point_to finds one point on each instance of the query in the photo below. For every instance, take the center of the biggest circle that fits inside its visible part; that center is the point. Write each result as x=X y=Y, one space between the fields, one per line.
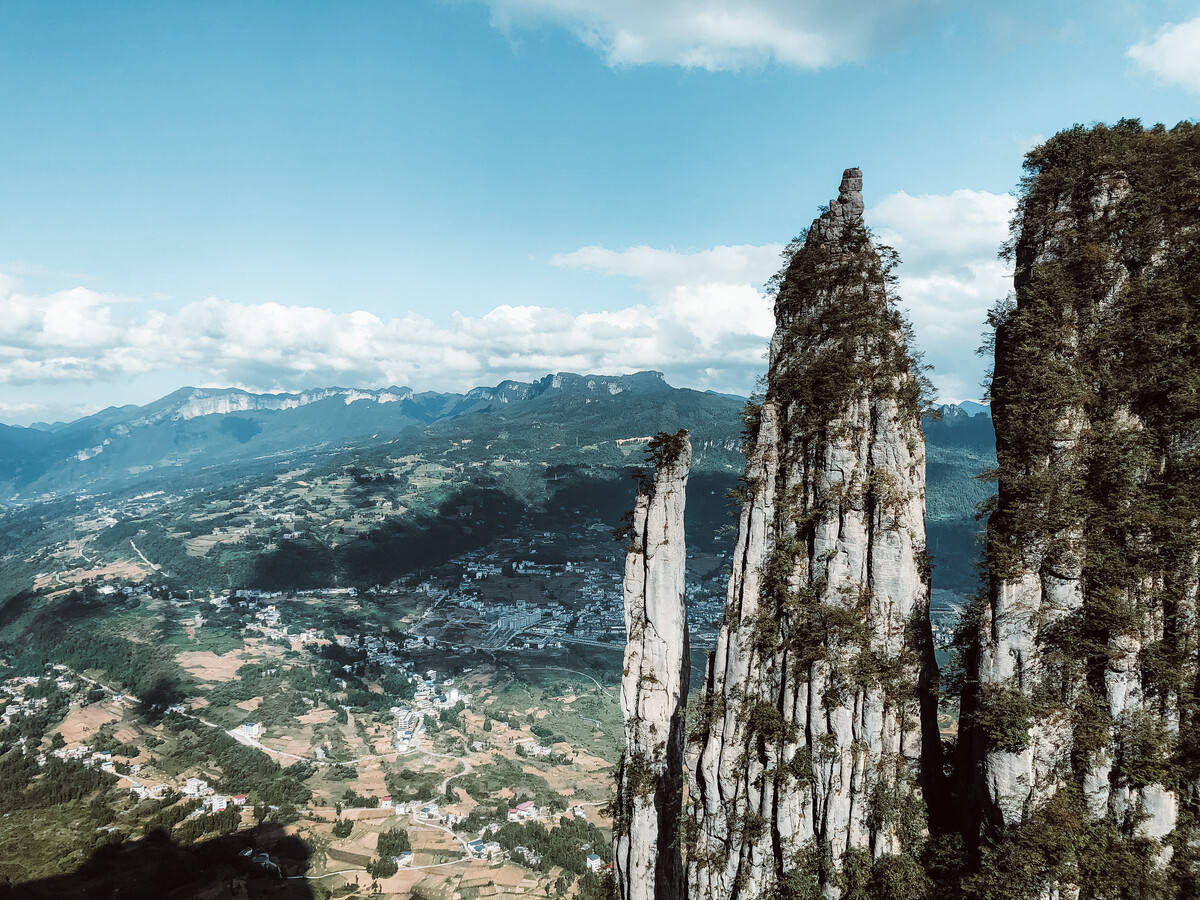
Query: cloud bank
x=950 y=275
x=700 y=317
x=705 y=333
x=716 y=35
x=1173 y=56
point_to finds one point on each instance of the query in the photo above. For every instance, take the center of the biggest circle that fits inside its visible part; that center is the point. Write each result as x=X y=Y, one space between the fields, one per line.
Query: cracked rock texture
x=817 y=726
x=654 y=685
x=1086 y=648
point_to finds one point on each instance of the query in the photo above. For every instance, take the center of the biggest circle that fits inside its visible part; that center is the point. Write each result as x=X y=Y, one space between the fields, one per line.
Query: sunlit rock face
x=654 y=684
x=812 y=750
x=1079 y=719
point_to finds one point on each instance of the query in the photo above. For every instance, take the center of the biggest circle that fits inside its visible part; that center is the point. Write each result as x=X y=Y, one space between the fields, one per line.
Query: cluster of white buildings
x=196 y=787
x=16 y=704
x=477 y=571
x=410 y=725
x=199 y=788
x=93 y=759
x=481 y=849
x=530 y=747
x=603 y=620
x=147 y=791
x=525 y=855
x=525 y=811
x=430 y=696
x=379 y=651
x=267 y=621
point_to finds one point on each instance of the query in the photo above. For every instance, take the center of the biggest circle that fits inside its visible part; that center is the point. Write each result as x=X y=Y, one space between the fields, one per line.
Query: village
x=101 y=731
x=528 y=605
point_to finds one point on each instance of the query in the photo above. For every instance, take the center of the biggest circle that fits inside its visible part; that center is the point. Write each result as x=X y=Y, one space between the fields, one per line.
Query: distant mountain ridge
x=568 y=436
x=215 y=425
x=200 y=437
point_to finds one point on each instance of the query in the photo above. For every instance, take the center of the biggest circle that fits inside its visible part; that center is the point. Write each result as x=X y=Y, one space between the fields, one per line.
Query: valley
x=417 y=632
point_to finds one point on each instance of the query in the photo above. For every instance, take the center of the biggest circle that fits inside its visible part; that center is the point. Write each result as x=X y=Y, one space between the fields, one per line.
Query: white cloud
x=706 y=334
x=1173 y=56
x=698 y=316
x=717 y=35
x=950 y=227
x=950 y=274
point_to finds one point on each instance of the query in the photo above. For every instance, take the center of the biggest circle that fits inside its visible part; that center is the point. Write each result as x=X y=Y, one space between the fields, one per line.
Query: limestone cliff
x=817 y=726
x=1080 y=743
x=654 y=683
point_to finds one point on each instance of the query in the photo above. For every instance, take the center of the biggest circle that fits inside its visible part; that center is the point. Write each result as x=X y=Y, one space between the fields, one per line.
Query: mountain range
x=581 y=431
x=207 y=426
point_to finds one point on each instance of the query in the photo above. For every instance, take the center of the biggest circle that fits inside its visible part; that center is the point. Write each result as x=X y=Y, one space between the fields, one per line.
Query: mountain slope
x=209 y=484
x=203 y=426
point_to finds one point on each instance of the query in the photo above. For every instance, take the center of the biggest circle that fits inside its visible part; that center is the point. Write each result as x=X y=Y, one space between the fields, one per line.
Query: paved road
x=465 y=769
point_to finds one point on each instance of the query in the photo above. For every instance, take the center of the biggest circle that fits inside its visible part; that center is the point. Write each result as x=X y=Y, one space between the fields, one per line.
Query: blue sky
x=280 y=196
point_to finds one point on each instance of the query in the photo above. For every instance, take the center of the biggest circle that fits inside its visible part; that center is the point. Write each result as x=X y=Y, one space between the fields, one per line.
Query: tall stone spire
x=654 y=684
x=817 y=726
x=1081 y=715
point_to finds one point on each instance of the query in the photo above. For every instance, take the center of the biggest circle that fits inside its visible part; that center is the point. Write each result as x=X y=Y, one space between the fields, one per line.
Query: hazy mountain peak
x=198 y=402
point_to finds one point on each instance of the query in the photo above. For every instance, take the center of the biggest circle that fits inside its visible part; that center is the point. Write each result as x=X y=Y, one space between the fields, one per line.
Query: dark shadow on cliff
x=156 y=868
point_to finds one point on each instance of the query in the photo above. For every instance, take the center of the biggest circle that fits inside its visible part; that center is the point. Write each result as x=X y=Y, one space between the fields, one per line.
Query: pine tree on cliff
x=1080 y=728
x=818 y=726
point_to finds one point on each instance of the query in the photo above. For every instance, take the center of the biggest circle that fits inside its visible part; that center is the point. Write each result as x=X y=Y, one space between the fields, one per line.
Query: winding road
x=154 y=567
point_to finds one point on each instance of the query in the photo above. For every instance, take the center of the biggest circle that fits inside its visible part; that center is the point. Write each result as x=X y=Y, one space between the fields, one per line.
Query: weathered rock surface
x=1083 y=710
x=816 y=710
x=654 y=684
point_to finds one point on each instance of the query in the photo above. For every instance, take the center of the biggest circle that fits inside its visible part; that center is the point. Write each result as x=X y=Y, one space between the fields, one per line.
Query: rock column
x=1080 y=719
x=818 y=727
x=654 y=684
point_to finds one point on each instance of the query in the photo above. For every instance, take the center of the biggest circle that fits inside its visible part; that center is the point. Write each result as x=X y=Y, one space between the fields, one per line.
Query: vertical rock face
x=1079 y=740
x=654 y=684
x=816 y=726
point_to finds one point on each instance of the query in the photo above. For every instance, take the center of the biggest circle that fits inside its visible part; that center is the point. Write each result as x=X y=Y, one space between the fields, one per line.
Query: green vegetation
x=1004 y=715
x=483 y=784
x=567 y=844
x=1059 y=845
x=243 y=769
x=393 y=842
x=384 y=867
x=469 y=518
x=81 y=633
x=1096 y=399
x=842 y=324
x=406 y=785
x=25 y=785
